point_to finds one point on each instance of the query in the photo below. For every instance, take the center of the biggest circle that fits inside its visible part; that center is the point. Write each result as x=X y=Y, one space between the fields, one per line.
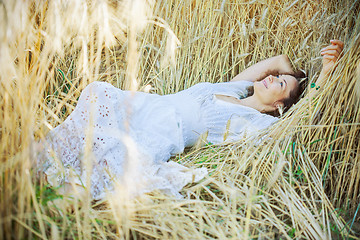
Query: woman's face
x=273 y=89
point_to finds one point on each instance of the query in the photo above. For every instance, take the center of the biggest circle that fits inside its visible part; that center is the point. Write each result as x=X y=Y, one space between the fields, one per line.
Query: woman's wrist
x=322 y=76
x=284 y=65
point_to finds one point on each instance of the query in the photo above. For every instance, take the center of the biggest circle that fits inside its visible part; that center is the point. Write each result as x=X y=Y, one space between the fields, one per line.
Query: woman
x=116 y=136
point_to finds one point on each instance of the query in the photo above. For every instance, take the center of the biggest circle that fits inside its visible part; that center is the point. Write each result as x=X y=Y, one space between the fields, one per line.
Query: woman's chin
x=258 y=87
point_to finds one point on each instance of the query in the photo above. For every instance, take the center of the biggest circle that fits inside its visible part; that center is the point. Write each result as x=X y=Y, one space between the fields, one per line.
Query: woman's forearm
x=318 y=85
x=271 y=66
x=330 y=55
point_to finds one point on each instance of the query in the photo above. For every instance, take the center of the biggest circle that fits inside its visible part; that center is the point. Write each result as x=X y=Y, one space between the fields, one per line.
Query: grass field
x=304 y=183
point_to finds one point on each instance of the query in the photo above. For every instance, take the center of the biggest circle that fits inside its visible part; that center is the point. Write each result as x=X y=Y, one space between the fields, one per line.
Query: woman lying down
x=116 y=137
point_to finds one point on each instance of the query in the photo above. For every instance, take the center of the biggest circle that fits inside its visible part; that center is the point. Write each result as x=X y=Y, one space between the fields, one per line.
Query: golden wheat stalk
x=302 y=184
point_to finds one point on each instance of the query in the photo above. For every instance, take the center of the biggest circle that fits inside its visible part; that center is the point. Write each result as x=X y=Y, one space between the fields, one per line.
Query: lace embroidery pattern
x=119 y=136
x=93 y=145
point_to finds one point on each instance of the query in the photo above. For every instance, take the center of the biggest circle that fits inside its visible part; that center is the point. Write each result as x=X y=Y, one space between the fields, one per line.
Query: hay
x=301 y=183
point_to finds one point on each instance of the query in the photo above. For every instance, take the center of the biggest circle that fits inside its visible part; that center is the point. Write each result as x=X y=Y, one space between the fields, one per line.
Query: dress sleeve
x=248 y=126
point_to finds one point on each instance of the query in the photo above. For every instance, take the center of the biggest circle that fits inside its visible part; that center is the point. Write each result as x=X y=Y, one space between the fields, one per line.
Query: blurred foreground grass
x=302 y=184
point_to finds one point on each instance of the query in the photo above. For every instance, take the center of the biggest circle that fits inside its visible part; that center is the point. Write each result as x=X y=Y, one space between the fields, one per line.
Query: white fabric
x=120 y=136
x=201 y=111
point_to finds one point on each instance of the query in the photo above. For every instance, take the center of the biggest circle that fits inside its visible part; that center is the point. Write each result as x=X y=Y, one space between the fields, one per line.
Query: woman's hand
x=284 y=65
x=330 y=55
x=271 y=66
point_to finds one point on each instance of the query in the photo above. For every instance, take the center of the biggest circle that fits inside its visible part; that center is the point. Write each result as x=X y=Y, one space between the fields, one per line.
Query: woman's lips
x=265 y=83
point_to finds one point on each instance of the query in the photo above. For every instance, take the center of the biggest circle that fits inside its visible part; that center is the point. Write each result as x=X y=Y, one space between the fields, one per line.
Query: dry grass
x=301 y=184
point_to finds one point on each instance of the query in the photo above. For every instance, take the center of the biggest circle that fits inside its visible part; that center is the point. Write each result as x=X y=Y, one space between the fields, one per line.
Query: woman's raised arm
x=272 y=66
x=330 y=55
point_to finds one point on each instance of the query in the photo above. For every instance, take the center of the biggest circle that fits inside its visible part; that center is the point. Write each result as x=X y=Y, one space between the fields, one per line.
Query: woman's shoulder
x=244 y=83
x=239 y=89
x=239 y=85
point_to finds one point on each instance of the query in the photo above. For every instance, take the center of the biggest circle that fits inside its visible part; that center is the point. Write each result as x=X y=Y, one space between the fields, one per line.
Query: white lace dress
x=120 y=137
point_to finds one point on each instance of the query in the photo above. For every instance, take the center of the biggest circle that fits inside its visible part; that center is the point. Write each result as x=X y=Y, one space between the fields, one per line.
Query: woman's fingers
x=331 y=52
x=338 y=42
x=330 y=57
x=336 y=45
x=332 y=47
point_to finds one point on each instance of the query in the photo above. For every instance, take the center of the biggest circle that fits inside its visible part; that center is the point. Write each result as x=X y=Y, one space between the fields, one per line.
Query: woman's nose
x=271 y=78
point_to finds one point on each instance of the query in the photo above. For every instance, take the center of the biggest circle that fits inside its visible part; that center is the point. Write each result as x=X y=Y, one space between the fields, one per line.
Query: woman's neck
x=252 y=102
